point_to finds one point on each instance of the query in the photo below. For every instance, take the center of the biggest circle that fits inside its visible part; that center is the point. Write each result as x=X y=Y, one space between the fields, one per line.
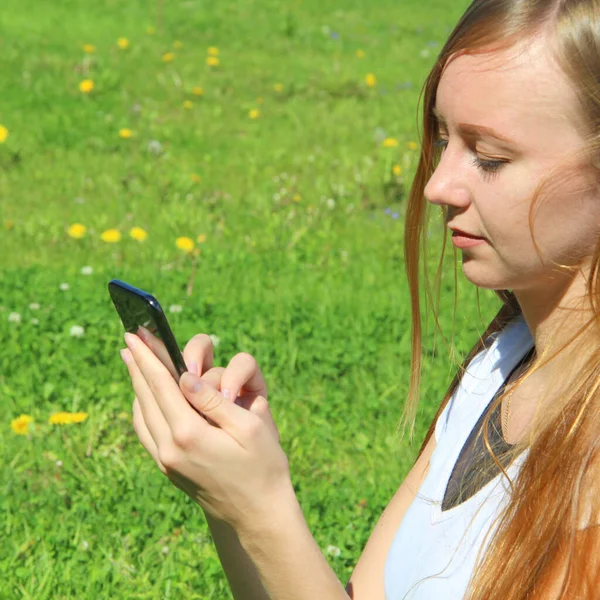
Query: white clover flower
x=87 y=270
x=154 y=147
x=175 y=308
x=333 y=550
x=59 y=463
x=64 y=286
x=34 y=306
x=14 y=317
x=35 y=321
x=379 y=135
x=84 y=545
x=330 y=203
x=215 y=340
x=165 y=550
x=77 y=331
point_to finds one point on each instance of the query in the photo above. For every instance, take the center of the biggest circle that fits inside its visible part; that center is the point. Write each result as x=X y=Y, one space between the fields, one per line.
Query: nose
x=448 y=184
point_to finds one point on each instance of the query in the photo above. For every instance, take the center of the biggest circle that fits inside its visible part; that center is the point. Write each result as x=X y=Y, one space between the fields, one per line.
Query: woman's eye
x=488 y=167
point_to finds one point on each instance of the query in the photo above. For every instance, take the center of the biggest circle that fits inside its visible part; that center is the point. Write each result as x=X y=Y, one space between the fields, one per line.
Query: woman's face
x=523 y=96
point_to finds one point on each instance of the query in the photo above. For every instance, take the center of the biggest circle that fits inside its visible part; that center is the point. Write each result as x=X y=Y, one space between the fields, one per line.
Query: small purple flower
x=395 y=215
x=334 y=35
x=388 y=211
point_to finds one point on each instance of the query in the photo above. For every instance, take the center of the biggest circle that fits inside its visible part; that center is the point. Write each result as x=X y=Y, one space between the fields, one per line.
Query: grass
x=302 y=266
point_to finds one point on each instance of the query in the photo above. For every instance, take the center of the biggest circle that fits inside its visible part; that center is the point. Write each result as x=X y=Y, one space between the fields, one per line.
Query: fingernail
x=129 y=339
x=124 y=356
x=226 y=394
x=191 y=382
x=193 y=368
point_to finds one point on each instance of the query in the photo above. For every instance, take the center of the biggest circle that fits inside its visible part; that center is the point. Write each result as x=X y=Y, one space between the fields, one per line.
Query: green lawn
x=296 y=217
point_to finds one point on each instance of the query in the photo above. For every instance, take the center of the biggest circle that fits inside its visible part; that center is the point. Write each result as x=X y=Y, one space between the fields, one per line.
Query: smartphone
x=141 y=314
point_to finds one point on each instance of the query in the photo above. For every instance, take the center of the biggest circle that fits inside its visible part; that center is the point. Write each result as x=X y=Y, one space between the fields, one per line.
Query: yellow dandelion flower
x=197 y=91
x=278 y=87
x=138 y=234
x=20 y=425
x=168 y=56
x=89 y=48
x=78 y=417
x=212 y=61
x=213 y=51
x=390 y=143
x=86 y=86
x=123 y=43
x=3 y=134
x=111 y=236
x=360 y=53
x=125 y=133
x=371 y=80
x=124 y=416
x=60 y=418
x=297 y=198
x=150 y=30
x=412 y=145
x=201 y=238
x=77 y=230
x=196 y=178
x=397 y=170
x=177 y=44
x=254 y=113
x=185 y=243
x=188 y=104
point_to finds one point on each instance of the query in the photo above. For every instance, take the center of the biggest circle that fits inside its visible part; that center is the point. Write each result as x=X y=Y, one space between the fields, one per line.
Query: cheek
x=566 y=219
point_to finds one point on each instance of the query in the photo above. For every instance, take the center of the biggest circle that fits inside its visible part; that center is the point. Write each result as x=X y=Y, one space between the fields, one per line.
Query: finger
x=259 y=406
x=158 y=347
x=211 y=403
x=213 y=377
x=243 y=372
x=144 y=435
x=153 y=417
x=165 y=390
x=199 y=350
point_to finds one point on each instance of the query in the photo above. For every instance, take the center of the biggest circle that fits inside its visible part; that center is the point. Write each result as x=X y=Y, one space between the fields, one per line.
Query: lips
x=458 y=232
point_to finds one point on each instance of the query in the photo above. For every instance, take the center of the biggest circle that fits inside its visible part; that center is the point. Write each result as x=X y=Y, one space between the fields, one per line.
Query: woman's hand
x=232 y=466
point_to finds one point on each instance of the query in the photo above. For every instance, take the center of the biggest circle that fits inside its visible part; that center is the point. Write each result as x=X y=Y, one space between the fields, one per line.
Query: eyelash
x=490 y=168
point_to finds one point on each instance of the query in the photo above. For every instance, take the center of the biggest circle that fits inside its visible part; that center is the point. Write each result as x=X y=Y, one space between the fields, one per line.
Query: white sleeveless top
x=433 y=553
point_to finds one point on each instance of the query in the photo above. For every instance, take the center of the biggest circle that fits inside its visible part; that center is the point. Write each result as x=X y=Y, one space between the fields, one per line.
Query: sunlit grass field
x=248 y=163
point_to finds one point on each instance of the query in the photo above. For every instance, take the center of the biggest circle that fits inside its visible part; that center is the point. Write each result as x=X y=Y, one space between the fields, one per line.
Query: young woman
x=503 y=501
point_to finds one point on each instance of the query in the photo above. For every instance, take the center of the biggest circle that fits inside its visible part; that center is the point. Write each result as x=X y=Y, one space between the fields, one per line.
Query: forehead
x=518 y=90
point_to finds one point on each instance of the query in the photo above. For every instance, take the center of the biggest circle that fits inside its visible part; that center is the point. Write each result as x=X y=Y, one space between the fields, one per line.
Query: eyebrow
x=471 y=130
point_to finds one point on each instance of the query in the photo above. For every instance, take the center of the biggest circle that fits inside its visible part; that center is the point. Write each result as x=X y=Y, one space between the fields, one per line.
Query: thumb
x=211 y=404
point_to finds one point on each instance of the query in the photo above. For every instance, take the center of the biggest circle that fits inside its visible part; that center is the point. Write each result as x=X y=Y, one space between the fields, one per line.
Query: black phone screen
x=141 y=314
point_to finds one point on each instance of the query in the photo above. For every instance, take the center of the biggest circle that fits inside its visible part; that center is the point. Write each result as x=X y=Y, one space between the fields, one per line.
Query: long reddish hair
x=540 y=537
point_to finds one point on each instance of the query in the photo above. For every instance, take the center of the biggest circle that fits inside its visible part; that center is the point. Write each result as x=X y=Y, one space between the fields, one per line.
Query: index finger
x=200 y=350
x=243 y=372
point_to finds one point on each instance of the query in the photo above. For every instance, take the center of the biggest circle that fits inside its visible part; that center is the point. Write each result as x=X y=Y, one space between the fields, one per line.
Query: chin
x=482 y=278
